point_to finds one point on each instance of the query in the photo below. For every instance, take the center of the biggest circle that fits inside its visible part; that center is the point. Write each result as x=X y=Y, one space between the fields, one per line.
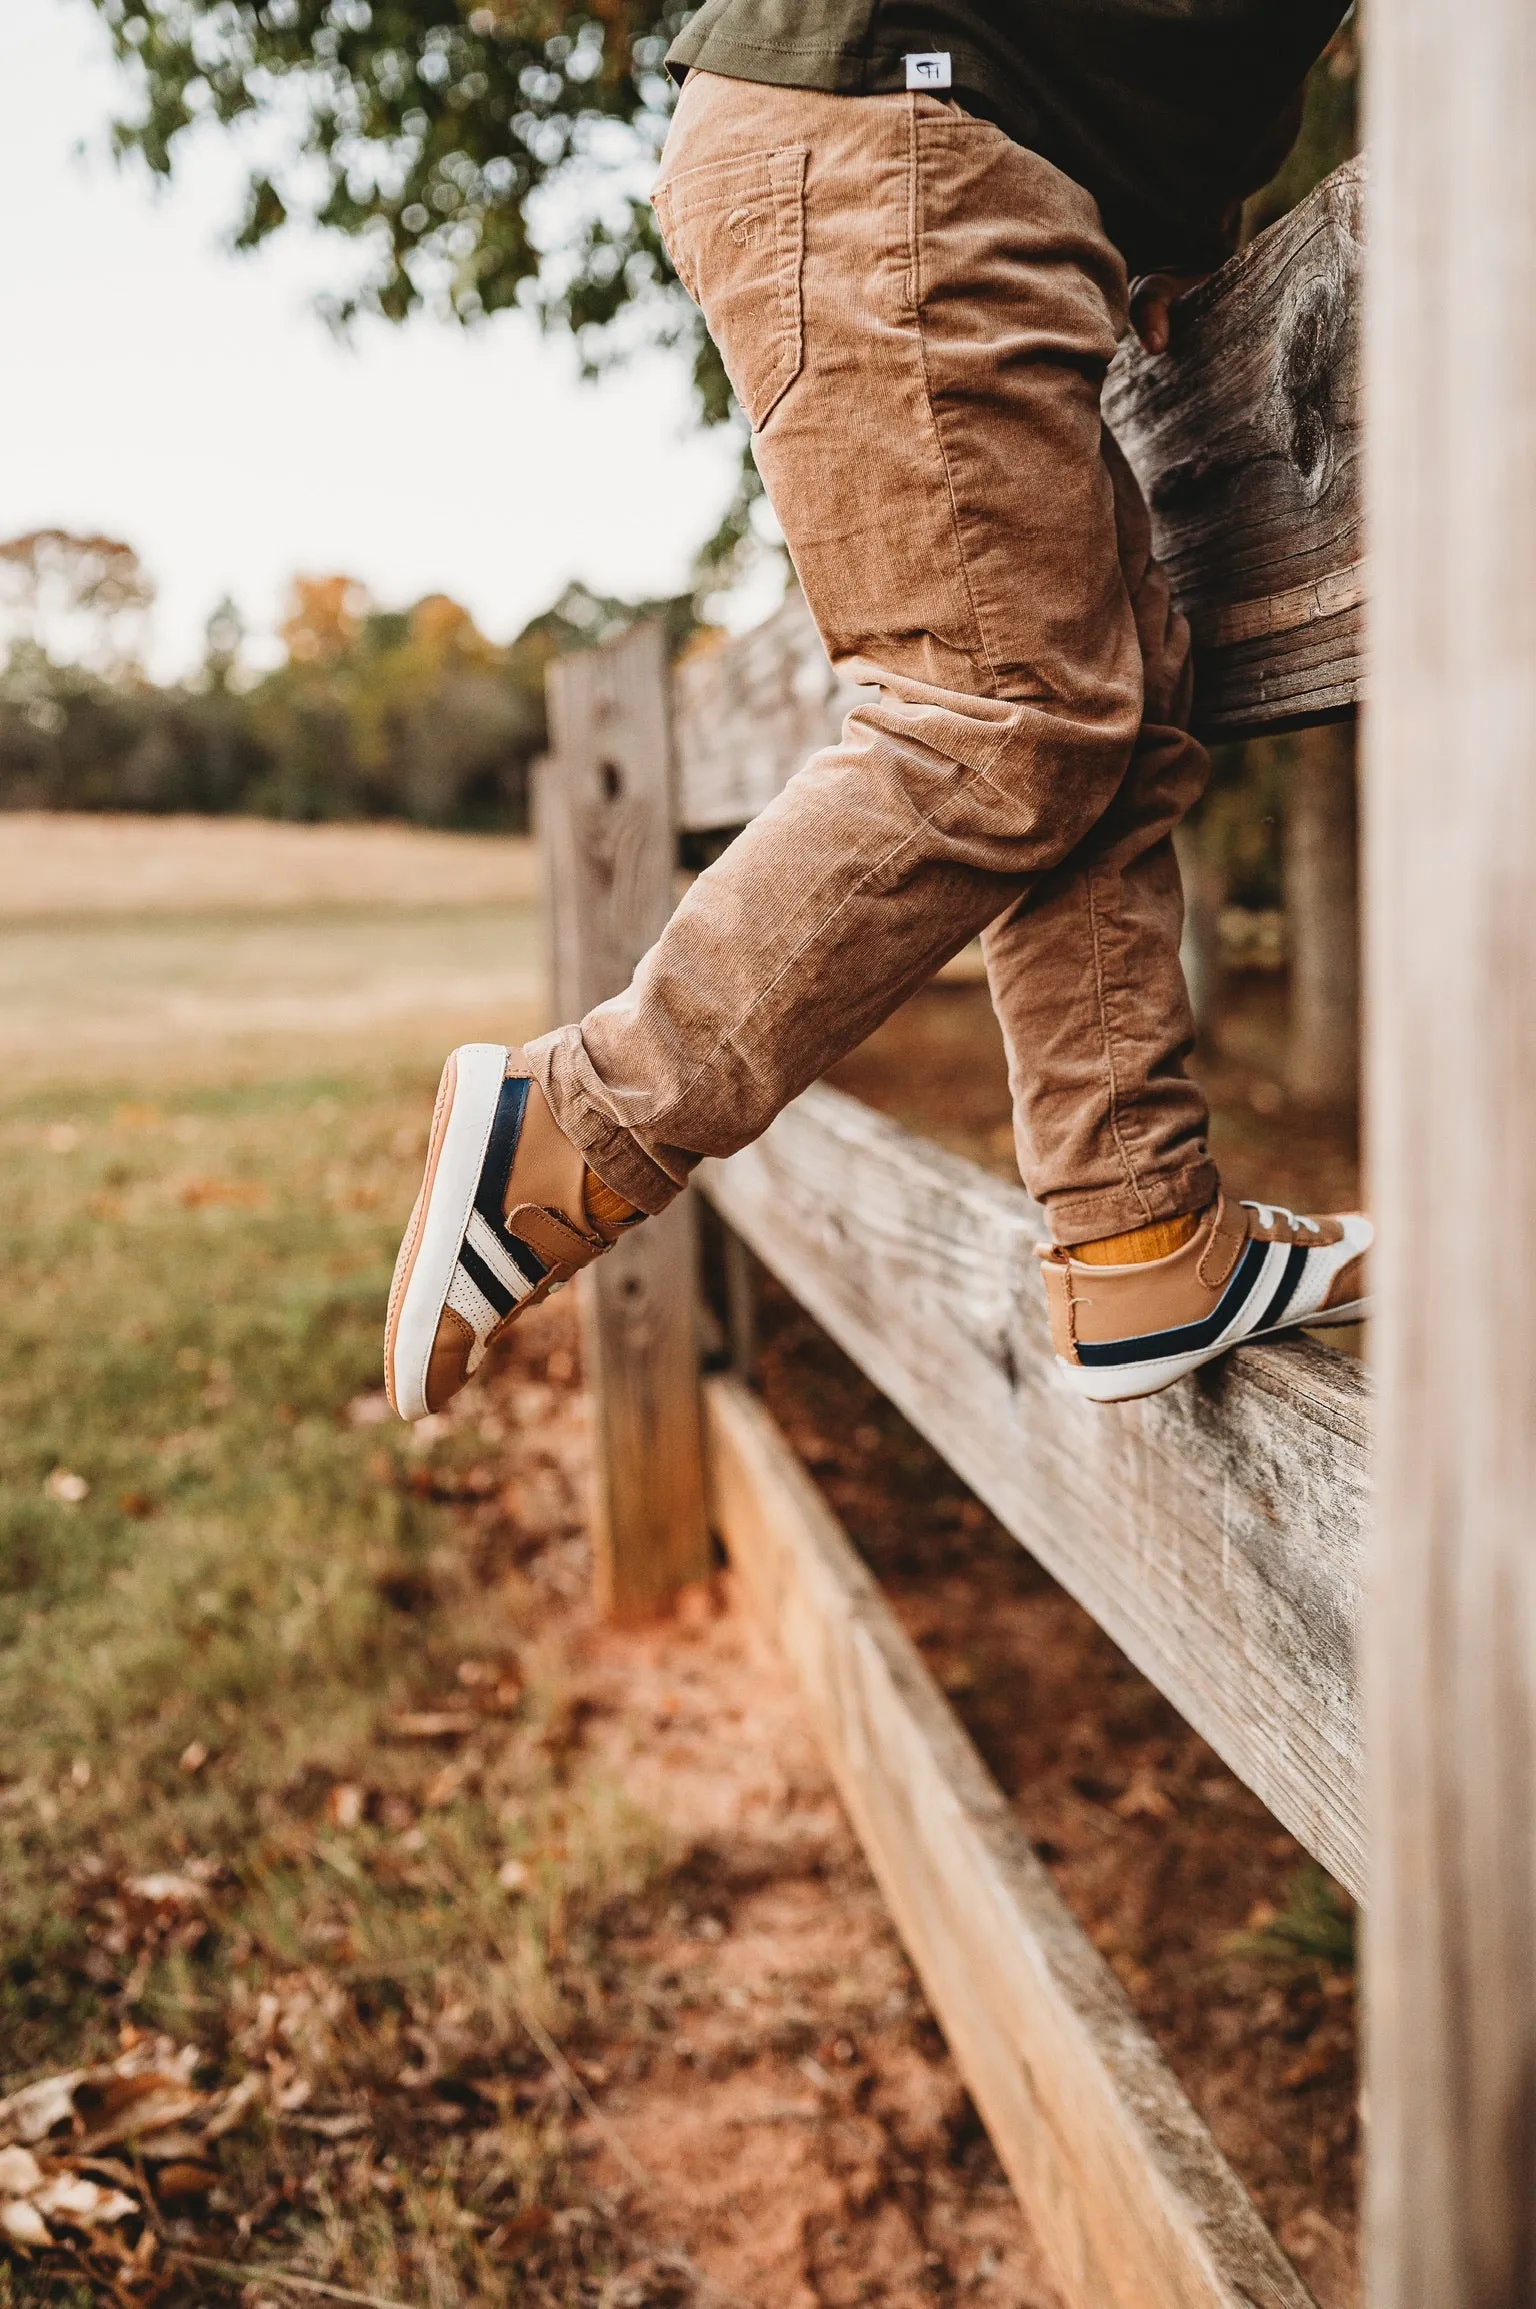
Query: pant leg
x=1102 y=1102
x=917 y=315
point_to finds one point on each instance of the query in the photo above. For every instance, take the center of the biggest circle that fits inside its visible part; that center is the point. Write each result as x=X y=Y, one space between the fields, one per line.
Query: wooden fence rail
x=1215 y=1531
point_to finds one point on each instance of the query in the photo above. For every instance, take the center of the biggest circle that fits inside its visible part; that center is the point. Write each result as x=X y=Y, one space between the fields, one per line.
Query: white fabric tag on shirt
x=929 y=71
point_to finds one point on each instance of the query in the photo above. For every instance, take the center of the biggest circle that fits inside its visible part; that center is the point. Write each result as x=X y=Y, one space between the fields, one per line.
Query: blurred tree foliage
x=372 y=713
x=1329 y=133
x=481 y=156
x=83 y=598
x=489 y=153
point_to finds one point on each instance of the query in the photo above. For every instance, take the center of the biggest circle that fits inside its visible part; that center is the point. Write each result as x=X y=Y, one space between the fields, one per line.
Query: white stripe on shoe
x=431 y=1252
x=1280 y=1290
x=484 y=1240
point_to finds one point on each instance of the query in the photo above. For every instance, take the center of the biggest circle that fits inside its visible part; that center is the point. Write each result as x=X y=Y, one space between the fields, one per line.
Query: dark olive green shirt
x=1168 y=111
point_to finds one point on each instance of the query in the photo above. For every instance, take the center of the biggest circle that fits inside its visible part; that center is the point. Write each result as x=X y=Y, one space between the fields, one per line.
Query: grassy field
x=221 y=952
x=312 y=1831
x=243 y=1646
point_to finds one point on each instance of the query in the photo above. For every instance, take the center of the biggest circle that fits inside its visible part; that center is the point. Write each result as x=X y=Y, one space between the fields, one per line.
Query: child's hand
x=1152 y=296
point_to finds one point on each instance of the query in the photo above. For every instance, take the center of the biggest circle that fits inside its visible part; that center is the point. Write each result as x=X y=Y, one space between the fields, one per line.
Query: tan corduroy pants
x=917 y=315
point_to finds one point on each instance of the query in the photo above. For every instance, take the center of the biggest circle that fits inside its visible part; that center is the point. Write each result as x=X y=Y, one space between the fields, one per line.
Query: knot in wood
x=1310 y=345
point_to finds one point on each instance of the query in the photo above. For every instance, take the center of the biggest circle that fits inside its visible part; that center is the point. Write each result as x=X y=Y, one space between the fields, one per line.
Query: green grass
x=197 y=1655
x=1313 y=1927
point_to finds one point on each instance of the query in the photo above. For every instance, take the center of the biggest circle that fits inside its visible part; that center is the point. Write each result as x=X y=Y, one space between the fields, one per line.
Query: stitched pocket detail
x=735 y=230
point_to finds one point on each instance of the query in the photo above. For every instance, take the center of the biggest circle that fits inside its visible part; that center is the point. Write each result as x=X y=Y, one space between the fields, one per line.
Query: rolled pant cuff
x=1118 y=1210
x=558 y=1063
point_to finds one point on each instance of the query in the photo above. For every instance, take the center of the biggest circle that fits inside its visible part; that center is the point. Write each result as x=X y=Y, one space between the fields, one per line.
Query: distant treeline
x=372 y=714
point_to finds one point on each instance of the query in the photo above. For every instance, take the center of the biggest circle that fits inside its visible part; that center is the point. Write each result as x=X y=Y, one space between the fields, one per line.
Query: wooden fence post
x=605 y=815
x=1450 y=812
x=1322 y=916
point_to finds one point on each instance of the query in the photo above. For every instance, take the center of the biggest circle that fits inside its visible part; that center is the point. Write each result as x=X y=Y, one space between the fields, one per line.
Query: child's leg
x=919 y=314
x=1110 y=1130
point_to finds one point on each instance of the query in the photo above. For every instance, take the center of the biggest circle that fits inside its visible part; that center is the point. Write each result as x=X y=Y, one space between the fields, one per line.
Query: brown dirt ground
x=764 y=2052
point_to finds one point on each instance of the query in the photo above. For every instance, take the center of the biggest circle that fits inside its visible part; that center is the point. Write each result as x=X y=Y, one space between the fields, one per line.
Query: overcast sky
x=190 y=401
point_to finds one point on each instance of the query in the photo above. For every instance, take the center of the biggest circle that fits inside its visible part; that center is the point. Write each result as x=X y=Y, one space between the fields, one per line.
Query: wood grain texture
x=1245 y=436
x=1450 y=815
x=605 y=821
x=1132 y=2201
x=1214 y=1530
x=749 y=712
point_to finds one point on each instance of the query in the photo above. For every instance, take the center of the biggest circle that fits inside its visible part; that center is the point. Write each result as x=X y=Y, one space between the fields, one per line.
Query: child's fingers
x=1153 y=296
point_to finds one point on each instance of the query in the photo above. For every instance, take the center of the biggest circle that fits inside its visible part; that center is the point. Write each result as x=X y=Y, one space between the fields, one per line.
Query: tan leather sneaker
x=1251 y=1269
x=507 y=1212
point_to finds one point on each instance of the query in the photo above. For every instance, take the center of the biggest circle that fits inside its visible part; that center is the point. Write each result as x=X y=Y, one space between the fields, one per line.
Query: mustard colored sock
x=1142 y=1243
x=605 y=1208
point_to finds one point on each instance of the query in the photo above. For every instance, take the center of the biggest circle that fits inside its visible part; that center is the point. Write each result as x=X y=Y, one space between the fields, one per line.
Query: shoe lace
x=1270 y=1213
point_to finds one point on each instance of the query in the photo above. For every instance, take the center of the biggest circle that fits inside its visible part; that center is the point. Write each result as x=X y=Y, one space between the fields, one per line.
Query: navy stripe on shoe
x=1285 y=1289
x=491 y=1193
x=486 y=1281
x=501 y=1147
x=1188 y=1338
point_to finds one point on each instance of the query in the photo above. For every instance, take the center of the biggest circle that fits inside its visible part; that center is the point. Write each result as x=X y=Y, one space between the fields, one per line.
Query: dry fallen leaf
x=443 y=1787
x=114 y=2107
x=165 y=1891
x=20 y=2172
x=167 y=2146
x=39 y=2109
x=193 y=1756
x=237 y=2101
x=338 y=2128
x=433 y=1724
x=85 y=2204
x=520 y=2229
x=184 y=2182
x=1314 y=2062
x=23 y=2223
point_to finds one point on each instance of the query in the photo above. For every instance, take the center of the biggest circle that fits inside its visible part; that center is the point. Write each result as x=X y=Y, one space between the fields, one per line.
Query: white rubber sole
x=1128 y=1382
x=430 y=1252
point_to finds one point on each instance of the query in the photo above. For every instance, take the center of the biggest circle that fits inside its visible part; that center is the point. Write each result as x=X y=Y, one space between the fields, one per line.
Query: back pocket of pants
x=735 y=230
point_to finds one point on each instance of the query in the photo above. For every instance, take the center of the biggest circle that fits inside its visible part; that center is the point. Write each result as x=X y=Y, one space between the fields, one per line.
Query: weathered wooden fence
x=1217 y=1531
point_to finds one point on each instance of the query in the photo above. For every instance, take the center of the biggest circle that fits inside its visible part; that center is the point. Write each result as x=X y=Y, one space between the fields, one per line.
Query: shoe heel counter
x=1056 y=1275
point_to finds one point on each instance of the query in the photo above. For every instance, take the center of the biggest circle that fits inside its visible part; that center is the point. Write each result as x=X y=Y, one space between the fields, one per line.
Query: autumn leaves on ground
x=375 y=1926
